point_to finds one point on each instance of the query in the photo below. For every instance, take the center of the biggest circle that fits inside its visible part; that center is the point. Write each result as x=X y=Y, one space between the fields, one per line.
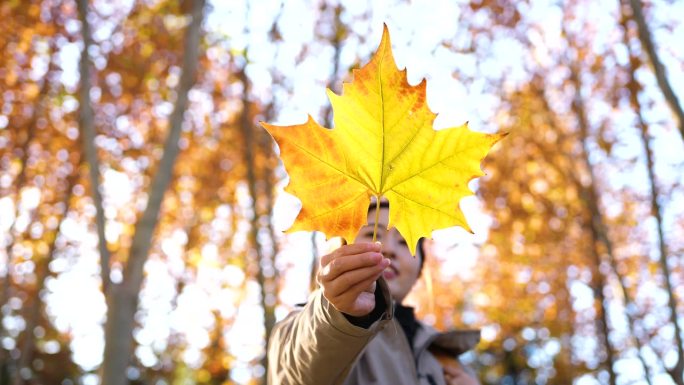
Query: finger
x=356 y=301
x=452 y=379
x=352 y=279
x=362 y=305
x=355 y=248
x=341 y=265
x=457 y=375
x=454 y=369
x=361 y=287
x=371 y=288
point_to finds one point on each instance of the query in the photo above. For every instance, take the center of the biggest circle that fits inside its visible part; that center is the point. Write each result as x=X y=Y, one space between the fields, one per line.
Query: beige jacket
x=319 y=346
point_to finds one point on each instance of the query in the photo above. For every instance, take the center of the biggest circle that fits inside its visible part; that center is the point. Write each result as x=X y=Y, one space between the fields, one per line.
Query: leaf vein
x=336 y=208
x=427 y=206
x=437 y=163
x=311 y=154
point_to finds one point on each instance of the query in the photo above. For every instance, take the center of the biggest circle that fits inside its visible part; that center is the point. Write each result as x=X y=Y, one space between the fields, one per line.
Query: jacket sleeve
x=318 y=345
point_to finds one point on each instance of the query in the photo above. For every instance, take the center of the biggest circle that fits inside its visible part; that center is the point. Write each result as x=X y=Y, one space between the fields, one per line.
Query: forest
x=142 y=211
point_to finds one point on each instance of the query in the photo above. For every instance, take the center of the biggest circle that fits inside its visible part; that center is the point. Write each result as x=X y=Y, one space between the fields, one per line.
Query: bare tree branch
x=658 y=67
x=123 y=298
x=86 y=122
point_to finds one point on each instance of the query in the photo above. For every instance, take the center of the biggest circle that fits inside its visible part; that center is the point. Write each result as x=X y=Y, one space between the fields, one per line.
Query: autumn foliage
x=177 y=271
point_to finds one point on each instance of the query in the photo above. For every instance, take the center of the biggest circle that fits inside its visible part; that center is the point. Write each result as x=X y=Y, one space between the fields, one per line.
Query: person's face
x=403 y=272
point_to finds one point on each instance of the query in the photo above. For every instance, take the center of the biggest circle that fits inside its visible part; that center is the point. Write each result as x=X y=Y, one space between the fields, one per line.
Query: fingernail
x=385 y=262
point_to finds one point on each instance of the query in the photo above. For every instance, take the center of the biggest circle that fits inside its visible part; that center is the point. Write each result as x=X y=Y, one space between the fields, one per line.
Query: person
x=354 y=329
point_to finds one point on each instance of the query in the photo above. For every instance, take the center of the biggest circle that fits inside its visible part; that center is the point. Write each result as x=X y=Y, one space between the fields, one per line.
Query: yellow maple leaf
x=383 y=144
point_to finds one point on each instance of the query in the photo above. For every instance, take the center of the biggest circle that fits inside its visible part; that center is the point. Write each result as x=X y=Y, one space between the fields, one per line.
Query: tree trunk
x=658 y=67
x=43 y=271
x=677 y=371
x=6 y=364
x=123 y=298
x=86 y=123
x=263 y=261
x=337 y=36
x=590 y=197
x=596 y=225
x=266 y=146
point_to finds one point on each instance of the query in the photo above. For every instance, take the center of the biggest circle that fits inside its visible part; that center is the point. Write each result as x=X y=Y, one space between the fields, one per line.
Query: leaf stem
x=377 y=217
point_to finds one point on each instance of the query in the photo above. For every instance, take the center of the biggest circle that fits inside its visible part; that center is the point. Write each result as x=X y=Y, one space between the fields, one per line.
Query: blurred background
x=141 y=204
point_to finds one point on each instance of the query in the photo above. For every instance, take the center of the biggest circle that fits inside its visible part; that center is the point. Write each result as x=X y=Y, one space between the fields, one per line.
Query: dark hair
x=420 y=251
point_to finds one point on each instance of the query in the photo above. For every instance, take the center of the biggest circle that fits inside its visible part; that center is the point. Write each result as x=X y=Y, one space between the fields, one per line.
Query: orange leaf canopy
x=383 y=144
